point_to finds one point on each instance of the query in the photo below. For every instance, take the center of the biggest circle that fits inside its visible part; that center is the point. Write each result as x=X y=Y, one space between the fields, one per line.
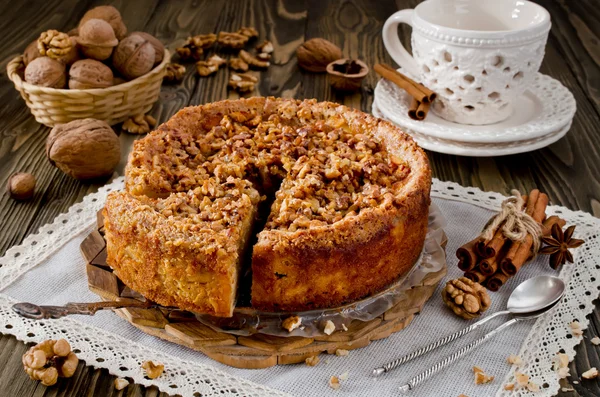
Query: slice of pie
x=338 y=199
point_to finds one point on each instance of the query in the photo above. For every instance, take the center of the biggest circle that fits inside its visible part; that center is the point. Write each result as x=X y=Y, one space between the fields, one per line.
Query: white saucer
x=545 y=108
x=479 y=149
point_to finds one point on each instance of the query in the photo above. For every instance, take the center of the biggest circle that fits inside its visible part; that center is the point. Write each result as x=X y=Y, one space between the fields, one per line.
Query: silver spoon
x=423 y=376
x=532 y=295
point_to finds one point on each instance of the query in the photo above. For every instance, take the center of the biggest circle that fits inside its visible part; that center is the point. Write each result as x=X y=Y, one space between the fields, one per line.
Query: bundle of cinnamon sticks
x=491 y=263
x=421 y=95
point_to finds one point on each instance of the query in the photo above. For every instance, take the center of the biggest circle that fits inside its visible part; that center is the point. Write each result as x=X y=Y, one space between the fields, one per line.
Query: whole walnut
x=109 y=14
x=31 y=52
x=159 y=48
x=89 y=73
x=315 y=54
x=21 y=186
x=97 y=39
x=134 y=57
x=46 y=72
x=84 y=149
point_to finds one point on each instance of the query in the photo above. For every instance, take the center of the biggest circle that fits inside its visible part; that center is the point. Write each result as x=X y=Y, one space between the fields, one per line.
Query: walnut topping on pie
x=344 y=195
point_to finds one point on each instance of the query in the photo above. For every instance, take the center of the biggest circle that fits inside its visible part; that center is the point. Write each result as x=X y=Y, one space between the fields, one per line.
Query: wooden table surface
x=569 y=170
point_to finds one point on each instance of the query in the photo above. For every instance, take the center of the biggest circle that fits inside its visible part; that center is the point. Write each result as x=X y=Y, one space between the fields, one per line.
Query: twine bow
x=517 y=223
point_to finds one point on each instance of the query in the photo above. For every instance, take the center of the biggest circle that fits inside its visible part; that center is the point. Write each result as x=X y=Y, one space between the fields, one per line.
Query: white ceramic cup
x=477 y=55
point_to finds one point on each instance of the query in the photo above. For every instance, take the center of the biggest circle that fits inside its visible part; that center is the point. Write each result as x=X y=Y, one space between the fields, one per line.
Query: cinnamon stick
x=489 y=249
x=422 y=110
x=519 y=253
x=412 y=110
x=549 y=222
x=416 y=90
x=476 y=276
x=496 y=281
x=467 y=259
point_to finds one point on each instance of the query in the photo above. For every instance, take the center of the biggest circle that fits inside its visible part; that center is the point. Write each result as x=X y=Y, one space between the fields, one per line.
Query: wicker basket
x=51 y=106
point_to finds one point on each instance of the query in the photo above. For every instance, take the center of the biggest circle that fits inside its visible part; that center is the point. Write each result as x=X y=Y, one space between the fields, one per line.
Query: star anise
x=558 y=245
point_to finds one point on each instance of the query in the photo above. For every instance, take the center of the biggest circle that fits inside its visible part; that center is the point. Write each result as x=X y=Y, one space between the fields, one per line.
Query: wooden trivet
x=256 y=351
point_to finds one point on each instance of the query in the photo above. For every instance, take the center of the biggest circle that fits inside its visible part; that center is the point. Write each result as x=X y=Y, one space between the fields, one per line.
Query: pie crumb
x=509 y=386
x=567 y=389
x=346 y=328
x=522 y=379
x=329 y=327
x=590 y=373
x=344 y=376
x=576 y=328
x=595 y=340
x=334 y=382
x=514 y=360
x=121 y=383
x=563 y=372
x=481 y=377
x=341 y=352
x=291 y=323
x=533 y=387
x=312 y=361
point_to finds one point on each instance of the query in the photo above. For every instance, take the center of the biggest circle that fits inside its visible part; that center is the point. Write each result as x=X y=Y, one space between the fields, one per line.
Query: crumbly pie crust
x=348 y=196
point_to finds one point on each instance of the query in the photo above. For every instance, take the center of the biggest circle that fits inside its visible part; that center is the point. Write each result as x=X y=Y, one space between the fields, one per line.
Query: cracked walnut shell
x=84 y=149
x=50 y=359
x=466 y=298
x=54 y=44
x=97 y=39
x=109 y=14
x=315 y=54
x=134 y=57
x=139 y=124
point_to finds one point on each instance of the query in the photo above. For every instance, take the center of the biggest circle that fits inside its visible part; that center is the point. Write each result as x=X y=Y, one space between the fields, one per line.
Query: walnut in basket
x=58 y=45
x=159 y=48
x=109 y=14
x=46 y=72
x=89 y=73
x=134 y=57
x=97 y=39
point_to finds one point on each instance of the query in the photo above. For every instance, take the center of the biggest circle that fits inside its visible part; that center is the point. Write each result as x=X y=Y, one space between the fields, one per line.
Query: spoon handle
x=432 y=346
x=32 y=311
x=423 y=376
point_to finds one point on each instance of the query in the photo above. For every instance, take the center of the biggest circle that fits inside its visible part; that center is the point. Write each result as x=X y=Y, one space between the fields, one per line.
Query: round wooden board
x=256 y=351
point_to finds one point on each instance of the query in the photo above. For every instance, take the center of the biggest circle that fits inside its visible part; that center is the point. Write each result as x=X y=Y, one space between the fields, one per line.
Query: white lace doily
x=546 y=107
x=47 y=269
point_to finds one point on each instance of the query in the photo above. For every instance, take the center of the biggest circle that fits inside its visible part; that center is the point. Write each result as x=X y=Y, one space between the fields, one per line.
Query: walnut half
x=466 y=298
x=242 y=82
x=49 y=360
